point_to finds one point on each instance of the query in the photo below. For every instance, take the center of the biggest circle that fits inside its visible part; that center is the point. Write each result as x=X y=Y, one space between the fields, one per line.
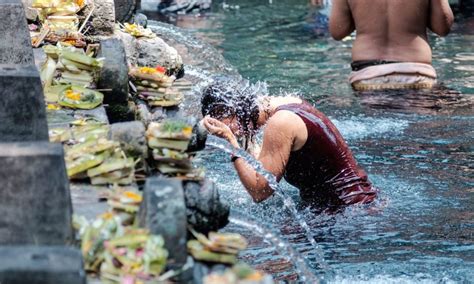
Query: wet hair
x=233 y=98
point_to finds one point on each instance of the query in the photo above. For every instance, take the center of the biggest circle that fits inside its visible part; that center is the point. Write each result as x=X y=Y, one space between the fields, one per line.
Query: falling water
x=302 y=269
x=223 y=145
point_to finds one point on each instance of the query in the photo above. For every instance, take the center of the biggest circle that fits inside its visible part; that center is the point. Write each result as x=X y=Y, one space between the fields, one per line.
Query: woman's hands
x=220 y=129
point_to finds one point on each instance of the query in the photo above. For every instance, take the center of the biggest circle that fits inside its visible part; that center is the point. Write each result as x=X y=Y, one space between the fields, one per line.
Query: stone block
x=41 y=265
x=204 y=208
x=15 y=46
x=35 y=202
x=114 y=74
x=131 y=136
x=163 y=212
x=22 y=108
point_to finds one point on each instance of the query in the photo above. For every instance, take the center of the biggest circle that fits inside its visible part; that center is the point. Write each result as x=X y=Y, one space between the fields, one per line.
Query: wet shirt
x=324 y=169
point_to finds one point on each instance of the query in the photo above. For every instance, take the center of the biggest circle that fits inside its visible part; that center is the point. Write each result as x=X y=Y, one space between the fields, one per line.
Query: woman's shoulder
x=285 y=120
x=297 y=106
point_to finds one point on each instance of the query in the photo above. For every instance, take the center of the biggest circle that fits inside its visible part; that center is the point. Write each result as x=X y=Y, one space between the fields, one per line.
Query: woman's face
x=234 y=125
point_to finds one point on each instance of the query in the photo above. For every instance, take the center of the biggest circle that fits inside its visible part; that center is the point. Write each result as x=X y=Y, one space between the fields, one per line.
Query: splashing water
x=302 y=269
x=223 y=145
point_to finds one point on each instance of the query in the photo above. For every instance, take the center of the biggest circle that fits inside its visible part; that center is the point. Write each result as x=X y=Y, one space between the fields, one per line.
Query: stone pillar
x=35 y=202
x=163 y=212
x=15 y=43
x=22 y=108
x=40 y=265
x=114 y=74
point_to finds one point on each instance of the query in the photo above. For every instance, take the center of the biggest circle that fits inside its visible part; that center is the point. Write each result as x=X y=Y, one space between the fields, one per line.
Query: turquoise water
x=418 y=149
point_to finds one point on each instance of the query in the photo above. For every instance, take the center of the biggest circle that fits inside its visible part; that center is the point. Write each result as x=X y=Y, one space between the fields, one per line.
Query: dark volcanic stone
x=131 y=136
x=163 y=212
x=124 y=9
x=22 y=108
x=114 y=74
x=41 y=265
x=205 y=211
x=15 y=46
x=35 y=202
x=198 y=139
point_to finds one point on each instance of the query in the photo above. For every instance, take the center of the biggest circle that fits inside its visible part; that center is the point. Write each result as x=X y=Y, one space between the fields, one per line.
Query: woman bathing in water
x=299 y=143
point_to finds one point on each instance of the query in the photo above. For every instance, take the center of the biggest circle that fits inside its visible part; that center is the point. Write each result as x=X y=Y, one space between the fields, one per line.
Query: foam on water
x=359 y=127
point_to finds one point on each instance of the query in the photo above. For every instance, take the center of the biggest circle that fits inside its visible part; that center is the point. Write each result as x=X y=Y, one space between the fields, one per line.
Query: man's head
x=232 y=104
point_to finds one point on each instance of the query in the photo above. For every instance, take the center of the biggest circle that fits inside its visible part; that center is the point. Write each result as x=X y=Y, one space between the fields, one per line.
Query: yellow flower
x=133 y=196
x=107 y=216
x=75 y=96
x=80 y=3
x=188 y=130
x=53 y=107
x=147 y=70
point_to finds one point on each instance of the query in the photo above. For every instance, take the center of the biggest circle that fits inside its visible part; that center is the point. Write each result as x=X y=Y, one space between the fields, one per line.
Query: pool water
x=418 y=148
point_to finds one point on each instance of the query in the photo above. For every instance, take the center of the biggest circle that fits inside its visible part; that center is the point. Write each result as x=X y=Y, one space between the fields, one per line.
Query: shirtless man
x=391 y=50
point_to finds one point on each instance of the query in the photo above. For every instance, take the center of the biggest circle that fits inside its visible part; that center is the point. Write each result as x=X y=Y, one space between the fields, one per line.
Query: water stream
x=226 y=147
x=302 y=270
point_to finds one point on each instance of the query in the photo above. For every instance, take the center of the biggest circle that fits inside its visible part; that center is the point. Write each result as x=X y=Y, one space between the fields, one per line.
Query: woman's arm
x=277 y=144
x=280 y=132
x=341 y=23
x=441 y=17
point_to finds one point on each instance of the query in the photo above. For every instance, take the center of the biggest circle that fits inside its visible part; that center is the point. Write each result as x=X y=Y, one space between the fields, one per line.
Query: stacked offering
x=120 y=254
x=115 y=169
x=79 y=131
x=240 y=273
x=154 y=86
x=58 y=22
x=219 y=247
x=67 y=75
x=89 y=154
x=169 y=141
x=125 y=202
x=134 y=257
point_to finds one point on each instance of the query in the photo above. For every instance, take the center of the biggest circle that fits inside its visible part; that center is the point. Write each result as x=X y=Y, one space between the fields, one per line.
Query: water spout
x=223 y=145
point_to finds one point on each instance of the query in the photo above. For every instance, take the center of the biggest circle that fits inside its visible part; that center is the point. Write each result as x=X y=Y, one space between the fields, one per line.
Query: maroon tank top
x=324 y=169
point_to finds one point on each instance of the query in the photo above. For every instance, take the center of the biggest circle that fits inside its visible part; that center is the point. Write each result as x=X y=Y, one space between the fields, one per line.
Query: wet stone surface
x=40 y=265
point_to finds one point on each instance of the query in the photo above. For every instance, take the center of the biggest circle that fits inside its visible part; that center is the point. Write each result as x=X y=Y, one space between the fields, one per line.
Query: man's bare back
x=391 y=30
